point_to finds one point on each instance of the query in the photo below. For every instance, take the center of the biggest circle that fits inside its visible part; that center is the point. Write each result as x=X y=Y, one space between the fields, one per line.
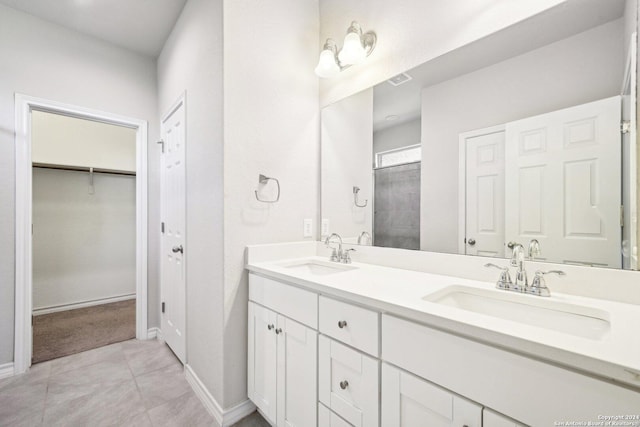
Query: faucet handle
x=504 y=282
x=539 y=286
x=346 y=257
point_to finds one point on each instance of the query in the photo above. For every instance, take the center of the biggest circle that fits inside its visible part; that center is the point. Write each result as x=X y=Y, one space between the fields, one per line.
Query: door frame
x=462 y=179
x=24 y=104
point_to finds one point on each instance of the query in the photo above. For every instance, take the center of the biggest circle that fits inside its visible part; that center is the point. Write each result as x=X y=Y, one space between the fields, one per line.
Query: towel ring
x=355 y=198
x=262 y=179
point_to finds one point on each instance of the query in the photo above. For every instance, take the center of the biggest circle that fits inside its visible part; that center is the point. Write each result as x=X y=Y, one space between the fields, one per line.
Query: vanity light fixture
x=357 y=46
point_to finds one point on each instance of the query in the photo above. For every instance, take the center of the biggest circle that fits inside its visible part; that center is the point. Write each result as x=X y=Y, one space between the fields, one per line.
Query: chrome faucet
x=364 y=238
x=336 y=253
x=534 y=249
x=517 y=260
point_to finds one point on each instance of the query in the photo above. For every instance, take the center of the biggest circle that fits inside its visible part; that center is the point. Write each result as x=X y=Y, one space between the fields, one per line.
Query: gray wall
x=191 y=61
x=582 y=68
x=48 y=61
x=84 y=245
x=402 y=135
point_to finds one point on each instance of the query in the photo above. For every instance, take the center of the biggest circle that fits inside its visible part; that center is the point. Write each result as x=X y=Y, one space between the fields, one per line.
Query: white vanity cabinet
x=282 y=356
x=409 y=401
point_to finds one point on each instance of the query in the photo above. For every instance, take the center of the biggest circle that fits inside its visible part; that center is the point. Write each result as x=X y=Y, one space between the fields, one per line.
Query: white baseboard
x=154 y=333
x=6 y=370
x=82 y=304
x=224 y=417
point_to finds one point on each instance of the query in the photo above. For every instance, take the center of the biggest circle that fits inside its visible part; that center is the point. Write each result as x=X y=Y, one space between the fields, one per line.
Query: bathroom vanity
x=368 y=345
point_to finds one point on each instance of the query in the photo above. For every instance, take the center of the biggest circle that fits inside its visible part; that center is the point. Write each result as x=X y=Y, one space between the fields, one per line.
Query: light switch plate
x=325 y=227
x=308 y=228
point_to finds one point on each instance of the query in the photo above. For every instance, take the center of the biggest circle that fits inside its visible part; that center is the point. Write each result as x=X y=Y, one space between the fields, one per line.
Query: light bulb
x=352 y=52
x=327 y=66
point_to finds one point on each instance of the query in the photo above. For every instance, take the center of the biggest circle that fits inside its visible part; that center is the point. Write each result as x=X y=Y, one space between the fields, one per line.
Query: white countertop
x=400 y=292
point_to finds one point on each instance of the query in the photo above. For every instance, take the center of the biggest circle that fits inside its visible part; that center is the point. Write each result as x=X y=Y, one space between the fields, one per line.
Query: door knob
x=342 y=324
x=177 y=249
x=471 y=242
x=344 y=384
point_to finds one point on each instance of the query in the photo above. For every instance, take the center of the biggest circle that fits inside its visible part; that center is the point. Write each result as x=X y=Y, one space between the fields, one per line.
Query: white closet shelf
x=83 y=169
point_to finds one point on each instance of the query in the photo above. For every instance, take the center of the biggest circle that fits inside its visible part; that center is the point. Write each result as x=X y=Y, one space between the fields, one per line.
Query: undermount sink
x=581 y=321
x=316 y=267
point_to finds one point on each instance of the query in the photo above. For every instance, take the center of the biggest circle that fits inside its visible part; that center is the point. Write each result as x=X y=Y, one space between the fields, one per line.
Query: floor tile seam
x=168 y=401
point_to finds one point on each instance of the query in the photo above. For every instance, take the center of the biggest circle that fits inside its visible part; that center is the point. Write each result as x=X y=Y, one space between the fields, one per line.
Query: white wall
x=582 y=68
x=400 y=135
x=191 y=61
x=69 y=141
x=47 y=61
x=346 y=153
x=84 y=245
x=270 y=127
x=411 y=32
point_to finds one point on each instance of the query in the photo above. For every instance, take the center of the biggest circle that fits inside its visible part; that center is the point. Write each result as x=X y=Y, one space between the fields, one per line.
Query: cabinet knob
x=279 y=331
x=344 y=384
x=342 y=324
x=269 y=327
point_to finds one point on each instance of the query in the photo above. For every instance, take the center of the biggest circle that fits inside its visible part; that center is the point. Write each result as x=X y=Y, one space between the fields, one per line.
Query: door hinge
x=162 y=143
x=162 y=227
x=163 y=307
x=625 y=126
x=622 y=216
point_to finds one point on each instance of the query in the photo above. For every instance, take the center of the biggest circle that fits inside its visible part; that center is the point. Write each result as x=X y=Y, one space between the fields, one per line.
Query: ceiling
x=403 y=103
x=138 y=25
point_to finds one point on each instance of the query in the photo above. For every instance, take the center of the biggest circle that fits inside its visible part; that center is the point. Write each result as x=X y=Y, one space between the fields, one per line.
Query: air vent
x=399 y=79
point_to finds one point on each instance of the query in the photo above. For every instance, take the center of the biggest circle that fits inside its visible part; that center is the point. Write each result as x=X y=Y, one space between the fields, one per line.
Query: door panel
x=485 y=195
x=563 y=183
x=173 y=238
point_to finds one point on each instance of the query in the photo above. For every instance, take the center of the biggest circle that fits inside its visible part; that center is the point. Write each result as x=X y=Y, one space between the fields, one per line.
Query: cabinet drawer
x=348 y=383
x=326 y=418
x=295 y=303
x=352 y=325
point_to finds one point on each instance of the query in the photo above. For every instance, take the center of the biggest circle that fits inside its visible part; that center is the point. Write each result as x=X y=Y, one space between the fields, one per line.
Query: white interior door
x=563 y=183
x=173 y=237
x=484 y=193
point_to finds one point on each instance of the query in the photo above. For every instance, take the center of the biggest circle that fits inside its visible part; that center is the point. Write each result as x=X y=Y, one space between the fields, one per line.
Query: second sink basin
x=582 y=321
x=316 y=267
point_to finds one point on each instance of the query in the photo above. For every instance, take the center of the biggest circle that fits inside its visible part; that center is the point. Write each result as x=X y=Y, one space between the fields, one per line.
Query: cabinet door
x=409 y=401
x=261 y=375
x=493 y=419
x=297 y=380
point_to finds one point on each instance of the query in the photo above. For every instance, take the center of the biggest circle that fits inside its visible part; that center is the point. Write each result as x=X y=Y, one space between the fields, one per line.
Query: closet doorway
x=81 y=196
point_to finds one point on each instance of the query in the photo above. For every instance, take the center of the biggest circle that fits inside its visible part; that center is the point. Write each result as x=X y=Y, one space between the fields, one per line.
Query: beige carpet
x=73 y=331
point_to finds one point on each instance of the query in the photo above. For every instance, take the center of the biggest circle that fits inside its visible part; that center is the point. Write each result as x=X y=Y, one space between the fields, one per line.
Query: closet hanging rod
x=82 y=169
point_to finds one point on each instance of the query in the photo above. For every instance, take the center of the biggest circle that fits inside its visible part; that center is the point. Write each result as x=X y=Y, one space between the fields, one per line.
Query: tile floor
x=133 y=383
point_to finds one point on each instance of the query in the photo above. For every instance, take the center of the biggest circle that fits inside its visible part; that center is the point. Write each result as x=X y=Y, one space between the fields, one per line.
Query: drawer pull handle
x=279 y=331
x=344 y=384
x=269 y=327
x=342 y=324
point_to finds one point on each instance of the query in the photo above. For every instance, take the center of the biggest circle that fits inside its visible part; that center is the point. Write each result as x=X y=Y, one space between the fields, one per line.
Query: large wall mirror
x=527 y=137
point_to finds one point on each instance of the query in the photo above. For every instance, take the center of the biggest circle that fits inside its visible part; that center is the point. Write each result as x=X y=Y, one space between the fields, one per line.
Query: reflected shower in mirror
x=527 y=137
